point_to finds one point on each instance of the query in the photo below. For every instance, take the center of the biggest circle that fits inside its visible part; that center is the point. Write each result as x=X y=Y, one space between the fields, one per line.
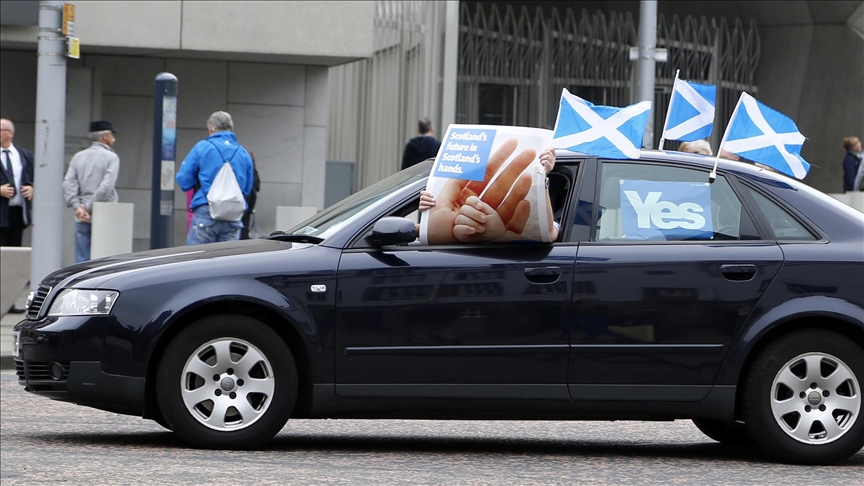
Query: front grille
x=19 y=370
x=38 y=300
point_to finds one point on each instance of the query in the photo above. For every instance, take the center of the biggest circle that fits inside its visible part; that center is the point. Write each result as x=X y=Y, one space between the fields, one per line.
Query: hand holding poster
x=488 y=186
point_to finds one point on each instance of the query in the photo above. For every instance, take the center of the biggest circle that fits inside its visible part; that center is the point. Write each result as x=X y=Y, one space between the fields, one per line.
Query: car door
x=457 y=321
x=673 y=269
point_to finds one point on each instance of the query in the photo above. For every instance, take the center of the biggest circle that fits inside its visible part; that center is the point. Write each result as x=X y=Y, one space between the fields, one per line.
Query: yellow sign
x=68 y=26
x=73 y=48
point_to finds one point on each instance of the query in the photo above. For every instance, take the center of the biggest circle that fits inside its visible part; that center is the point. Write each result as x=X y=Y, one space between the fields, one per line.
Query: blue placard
x=465 y=153
x=655 y=210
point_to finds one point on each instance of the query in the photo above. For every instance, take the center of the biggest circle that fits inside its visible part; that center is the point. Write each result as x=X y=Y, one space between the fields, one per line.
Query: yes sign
x=653 y=210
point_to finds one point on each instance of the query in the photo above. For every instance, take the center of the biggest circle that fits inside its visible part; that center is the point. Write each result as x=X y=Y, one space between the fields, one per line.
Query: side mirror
x=392 y=230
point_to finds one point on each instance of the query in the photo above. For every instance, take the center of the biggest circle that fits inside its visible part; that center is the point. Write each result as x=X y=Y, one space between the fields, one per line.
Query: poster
x=660 y=210
x=489 y=186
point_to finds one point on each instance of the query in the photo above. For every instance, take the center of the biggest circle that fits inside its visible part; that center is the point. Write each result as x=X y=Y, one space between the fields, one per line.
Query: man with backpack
x=221 y=172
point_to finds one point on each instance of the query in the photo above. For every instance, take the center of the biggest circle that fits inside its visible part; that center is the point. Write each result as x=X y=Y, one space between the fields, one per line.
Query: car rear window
x=781 y=224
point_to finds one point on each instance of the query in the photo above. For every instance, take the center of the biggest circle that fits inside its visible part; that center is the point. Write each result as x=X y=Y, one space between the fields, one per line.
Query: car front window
x=327 y=222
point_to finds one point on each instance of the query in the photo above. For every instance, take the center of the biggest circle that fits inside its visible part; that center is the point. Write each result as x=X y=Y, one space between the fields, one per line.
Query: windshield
x=331 y=219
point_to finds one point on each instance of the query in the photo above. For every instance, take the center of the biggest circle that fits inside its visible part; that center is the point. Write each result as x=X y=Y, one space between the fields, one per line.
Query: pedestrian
x=851 y=162
x=16 y=187
x=251 y=199
x=700 y=146
x=199 y=171
x=859 y=179
x=421 y=147
x=90 y=178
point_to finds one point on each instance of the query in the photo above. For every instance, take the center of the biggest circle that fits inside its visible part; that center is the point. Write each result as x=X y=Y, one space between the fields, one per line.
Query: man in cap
x=16 y=187
x=91 y=177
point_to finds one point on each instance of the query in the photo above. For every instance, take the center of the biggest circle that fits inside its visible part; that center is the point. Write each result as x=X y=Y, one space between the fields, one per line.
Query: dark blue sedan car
x=753 y=328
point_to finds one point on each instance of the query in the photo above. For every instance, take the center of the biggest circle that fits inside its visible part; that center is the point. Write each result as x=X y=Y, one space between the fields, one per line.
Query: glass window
x=327 y=222
x=782 y=225
x=649 y=202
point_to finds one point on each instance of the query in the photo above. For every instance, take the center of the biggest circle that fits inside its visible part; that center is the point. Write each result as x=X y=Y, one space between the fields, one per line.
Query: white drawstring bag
x=225 y=198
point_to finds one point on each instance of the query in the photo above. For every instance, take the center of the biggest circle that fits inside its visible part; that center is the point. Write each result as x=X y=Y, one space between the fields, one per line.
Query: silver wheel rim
x=815 y=398
x=227 y=384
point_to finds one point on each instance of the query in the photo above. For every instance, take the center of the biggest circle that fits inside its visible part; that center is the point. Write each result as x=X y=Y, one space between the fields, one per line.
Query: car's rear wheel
x=727 y=434
x=802 y=398
x=227 y=382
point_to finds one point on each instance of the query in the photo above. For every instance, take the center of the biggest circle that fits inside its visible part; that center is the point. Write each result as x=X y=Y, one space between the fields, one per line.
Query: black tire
x=216 y=411
x=161 y=421
x=807 y=436
x=726 y=434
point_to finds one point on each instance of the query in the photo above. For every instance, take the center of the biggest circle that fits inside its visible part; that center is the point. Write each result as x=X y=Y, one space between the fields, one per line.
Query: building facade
x=803 y=58
x=315 y=82
x=266 y=63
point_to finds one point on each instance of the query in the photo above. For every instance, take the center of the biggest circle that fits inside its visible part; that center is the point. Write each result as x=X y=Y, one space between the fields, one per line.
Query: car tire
x=161 y=421
x=227 y=382
x=802 y=398
x=726 y=434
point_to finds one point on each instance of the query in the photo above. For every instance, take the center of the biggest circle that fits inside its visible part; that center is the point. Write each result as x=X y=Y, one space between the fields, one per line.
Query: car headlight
x=82 y=302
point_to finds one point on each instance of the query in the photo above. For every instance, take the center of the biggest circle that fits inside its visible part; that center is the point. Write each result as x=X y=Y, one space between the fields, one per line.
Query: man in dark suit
x=16 y=187
x=421 y=147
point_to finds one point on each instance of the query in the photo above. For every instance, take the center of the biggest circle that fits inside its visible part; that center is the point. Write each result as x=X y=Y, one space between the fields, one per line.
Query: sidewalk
x=7 y=321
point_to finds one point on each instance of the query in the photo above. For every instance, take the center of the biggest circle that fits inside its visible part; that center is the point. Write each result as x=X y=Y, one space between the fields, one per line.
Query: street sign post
x=164 y=156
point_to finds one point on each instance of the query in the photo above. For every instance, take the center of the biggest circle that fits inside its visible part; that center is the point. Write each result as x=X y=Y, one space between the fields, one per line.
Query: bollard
x=111 y=230
x=289 y=216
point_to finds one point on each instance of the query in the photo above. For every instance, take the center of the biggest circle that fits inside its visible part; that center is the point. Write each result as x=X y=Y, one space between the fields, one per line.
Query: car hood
x=103 y=269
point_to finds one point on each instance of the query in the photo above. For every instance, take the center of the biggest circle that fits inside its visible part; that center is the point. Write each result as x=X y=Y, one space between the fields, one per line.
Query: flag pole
x=713 y=174
x=668 y=110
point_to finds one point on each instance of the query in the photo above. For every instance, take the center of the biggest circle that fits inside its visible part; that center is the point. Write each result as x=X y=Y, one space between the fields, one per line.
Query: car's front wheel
x=803 y=400
x=227 y=382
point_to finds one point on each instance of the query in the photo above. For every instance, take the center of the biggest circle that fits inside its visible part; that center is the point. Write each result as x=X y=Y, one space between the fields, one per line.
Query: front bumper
x=61 y=358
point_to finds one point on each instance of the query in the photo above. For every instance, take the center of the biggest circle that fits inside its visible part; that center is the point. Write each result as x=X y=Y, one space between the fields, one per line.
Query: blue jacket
x=204 y=161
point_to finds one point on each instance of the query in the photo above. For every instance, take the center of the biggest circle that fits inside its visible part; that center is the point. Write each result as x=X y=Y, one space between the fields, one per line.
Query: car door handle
x=738 y=272
x=543 y=275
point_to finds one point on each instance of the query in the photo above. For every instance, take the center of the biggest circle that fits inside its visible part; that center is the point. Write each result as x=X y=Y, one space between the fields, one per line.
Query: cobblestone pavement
x=47 y=442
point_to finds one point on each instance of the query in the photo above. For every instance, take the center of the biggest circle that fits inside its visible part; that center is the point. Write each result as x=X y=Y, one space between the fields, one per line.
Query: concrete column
x=111 y=231
x=451 y=65
x=48 y=204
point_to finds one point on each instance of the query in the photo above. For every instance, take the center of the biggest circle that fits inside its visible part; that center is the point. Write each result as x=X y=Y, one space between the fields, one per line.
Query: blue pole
x=164 y=150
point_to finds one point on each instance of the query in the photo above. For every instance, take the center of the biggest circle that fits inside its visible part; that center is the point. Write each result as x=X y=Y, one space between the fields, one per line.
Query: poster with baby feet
x=489 y=185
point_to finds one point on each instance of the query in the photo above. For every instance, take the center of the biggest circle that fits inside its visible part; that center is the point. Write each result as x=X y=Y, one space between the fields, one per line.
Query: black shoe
x=15 y=310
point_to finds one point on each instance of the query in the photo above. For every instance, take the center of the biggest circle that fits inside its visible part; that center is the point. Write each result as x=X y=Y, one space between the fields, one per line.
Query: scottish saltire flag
x=762 y=134
x=603 y=131
x=691 y=111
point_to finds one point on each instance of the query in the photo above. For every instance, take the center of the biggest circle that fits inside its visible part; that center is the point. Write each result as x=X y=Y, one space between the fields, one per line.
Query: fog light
x=55 y=370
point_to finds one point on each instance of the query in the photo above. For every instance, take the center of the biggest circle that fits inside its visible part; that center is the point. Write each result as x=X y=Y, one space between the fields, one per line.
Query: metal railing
x=511 y=69
x=535 y=55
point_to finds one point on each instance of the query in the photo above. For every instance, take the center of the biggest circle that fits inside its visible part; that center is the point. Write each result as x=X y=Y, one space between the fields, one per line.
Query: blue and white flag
x=603 y=131
x=691 y=111
x=762 y=134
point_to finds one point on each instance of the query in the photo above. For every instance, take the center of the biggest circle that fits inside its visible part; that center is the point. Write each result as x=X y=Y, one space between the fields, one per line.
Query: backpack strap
x=220 y=152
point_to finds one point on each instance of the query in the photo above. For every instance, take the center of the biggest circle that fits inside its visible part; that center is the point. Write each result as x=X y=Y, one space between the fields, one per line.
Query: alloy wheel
x=815 y=398
x=227 y=384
